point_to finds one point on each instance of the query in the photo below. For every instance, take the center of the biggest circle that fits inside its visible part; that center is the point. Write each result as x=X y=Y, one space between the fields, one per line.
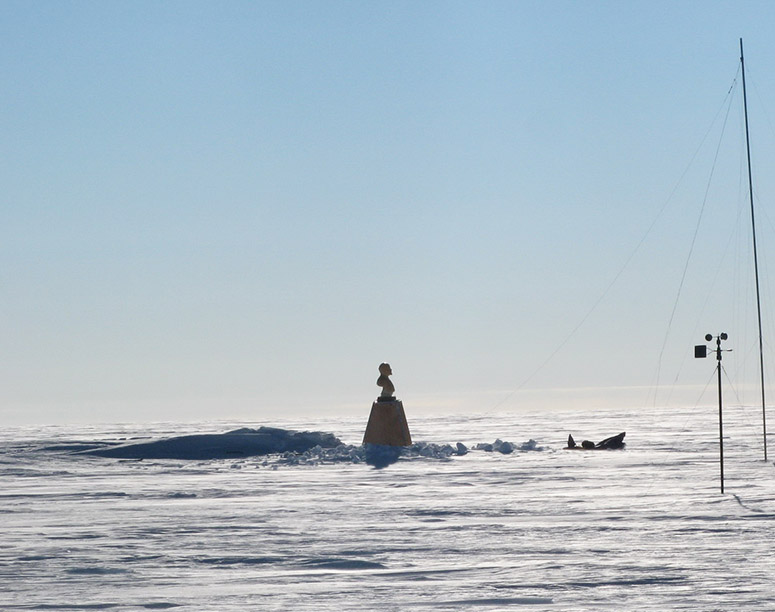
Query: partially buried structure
x=387 y=421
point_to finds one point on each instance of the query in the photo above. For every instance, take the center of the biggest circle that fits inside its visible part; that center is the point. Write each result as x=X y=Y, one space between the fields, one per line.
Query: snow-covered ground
x=538 y=527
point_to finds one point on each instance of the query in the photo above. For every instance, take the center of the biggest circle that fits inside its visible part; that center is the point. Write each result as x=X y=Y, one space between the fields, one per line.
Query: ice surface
x=448 y=526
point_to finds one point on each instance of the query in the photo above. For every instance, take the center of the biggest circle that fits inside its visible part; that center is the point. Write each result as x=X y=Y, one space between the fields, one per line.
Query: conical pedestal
x=387 y=425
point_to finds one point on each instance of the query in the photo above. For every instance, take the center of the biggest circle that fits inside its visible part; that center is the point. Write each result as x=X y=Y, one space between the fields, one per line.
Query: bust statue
x=384 y=381
x=387 y=421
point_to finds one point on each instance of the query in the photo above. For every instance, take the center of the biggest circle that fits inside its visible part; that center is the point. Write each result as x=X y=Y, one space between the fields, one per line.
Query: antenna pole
x=755 y=256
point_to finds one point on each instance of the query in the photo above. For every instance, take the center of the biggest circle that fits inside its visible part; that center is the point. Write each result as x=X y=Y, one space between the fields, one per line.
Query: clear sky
x=237 y=210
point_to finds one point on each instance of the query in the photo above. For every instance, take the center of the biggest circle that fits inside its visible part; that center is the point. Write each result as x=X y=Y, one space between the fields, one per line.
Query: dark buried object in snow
x=613 y=443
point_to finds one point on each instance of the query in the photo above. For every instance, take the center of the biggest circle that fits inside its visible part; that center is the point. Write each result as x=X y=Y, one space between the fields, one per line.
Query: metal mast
x=755 y=257
x=719 y=338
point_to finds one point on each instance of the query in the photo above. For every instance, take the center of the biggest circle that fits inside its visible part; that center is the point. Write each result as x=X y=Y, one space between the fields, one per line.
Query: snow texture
x=460 y=526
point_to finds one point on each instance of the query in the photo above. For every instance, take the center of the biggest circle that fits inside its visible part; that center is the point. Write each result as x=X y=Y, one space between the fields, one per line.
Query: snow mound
x=377 y=455
x=506 y=448
x=238 y=443
x=288 y=447
x=381 y=456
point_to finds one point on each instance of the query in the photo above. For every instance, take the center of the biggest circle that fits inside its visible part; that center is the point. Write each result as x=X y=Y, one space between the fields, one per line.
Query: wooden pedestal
x=387 y=425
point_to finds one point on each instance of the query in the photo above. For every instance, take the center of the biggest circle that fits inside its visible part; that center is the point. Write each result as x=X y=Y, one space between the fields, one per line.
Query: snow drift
x=238 y=443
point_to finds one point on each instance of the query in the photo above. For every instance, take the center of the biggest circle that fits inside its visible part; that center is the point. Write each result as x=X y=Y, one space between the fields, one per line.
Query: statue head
x=384 y=381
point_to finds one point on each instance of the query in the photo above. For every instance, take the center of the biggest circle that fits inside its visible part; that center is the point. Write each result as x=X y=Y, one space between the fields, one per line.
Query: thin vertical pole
x=720 y=422
x=755 y=256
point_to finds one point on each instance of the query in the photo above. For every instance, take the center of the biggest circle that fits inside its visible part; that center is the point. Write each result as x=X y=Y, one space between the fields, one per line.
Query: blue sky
x=239 y=209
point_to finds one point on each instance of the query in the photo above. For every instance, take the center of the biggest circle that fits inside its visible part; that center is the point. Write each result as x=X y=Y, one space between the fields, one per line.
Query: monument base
x=387 y=424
